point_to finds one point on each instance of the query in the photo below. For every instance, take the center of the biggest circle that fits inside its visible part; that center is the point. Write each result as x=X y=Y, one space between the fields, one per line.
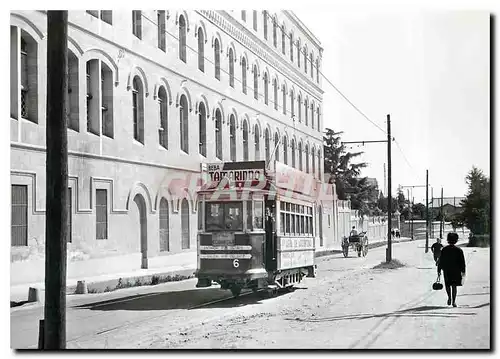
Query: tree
x=476 y=212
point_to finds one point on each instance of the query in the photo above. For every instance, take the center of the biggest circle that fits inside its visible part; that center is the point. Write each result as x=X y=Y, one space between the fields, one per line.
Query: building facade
x=151 y=96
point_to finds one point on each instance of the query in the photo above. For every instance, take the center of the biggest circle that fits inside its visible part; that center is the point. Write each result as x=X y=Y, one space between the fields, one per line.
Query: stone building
x=151 y=96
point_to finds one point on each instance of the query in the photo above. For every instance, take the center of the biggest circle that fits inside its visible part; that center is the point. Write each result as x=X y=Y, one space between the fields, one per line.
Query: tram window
x=292 y=227
x=297 y=224
x=287 y=229
x=258 y=208
x=224 y=216
x=249 y=215
x=282 y=222
x=301 y=224
x=288 y=207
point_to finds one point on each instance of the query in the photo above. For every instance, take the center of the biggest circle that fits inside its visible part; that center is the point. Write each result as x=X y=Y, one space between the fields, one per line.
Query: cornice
x=312 y=38
x=228 y=24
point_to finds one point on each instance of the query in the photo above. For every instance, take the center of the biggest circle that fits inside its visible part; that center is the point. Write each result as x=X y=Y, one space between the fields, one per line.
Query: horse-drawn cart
x=358 y=243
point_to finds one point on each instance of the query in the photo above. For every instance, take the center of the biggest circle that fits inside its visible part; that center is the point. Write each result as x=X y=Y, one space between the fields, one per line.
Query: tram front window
x=224 y=216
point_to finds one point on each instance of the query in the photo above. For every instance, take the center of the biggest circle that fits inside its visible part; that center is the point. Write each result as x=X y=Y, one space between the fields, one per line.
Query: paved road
x=349 y=305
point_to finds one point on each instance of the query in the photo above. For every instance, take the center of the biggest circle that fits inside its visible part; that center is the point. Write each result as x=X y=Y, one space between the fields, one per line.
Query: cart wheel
x=236 y=290
x=359 y=252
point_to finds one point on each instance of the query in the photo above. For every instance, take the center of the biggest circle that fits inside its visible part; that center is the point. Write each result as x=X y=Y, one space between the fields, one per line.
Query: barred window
x=244 y=75
x=218 y=134
x=164 y=226
x=231 y=68
x=257 y=142
x=275 y=85
x=245 y=140
x=217 y=59
x=19 y=216
x=291 y=47
x=293 y=153
x=138 y=109
x=276 y=147
x=101 y=214
x=267 y=144
x=184 y=129
x=255 y=20
x=185 y=224
x=266 y=89
x=285 y=150
x=264 y=21
x=255 y=82
x=232 y=139
x=201 y=50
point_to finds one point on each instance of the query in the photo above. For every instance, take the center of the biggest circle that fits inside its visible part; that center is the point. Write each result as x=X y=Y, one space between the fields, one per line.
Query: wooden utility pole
x=389 y=192
x=56 y=214
x=441 y=222
x=426 y=211
x=389 y=174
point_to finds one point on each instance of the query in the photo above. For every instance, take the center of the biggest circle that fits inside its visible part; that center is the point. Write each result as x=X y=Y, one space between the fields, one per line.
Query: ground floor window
x=19 y=218
x=101 y=214
x=185 y=224
x=164 y=226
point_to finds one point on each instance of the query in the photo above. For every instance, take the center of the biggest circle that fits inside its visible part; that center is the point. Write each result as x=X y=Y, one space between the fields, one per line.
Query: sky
x=428 y=69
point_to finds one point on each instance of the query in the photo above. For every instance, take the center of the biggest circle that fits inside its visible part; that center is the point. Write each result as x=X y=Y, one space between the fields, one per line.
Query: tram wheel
x=236 y=290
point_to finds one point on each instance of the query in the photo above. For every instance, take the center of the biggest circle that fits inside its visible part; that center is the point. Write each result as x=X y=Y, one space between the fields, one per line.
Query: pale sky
x=429 y=71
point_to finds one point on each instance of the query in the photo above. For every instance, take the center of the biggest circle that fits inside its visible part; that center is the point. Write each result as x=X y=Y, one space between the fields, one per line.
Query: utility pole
x=441 y=222
x=426 y=211
x=389 y=194
x=56 y=214
x=411 y=214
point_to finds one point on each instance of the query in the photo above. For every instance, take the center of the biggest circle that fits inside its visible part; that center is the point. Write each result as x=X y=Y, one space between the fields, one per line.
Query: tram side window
x=258 y=214
x=249 y=215
x=224 y=216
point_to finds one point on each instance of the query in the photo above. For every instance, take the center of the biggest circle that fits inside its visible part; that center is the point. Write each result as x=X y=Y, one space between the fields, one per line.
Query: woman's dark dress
x=452 y=262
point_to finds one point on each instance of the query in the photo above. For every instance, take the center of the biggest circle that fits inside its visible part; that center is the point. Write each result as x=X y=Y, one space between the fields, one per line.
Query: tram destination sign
x=236 y=171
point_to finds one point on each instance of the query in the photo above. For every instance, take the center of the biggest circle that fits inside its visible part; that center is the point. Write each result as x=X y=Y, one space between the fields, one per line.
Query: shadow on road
x=186 y=299
x=463 y=295
x=411 y=312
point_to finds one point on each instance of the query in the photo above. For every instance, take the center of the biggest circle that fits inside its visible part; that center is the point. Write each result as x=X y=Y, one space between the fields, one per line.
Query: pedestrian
x=392 y=233
x=452 y=263
x=436 y=249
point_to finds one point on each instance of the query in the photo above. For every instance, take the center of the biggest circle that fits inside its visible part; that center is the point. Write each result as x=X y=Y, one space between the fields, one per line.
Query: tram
x=257 y=227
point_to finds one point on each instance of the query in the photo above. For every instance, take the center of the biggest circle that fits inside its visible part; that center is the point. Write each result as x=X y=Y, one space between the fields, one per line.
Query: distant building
x=372 y=181
x=451 y=205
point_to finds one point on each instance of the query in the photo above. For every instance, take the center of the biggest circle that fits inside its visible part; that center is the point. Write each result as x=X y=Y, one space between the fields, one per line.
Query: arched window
x=319 y=164
x=292 y=107
x=266 y=89
x=182 y=38
x=291 y=47
x=307 y=158
x=137 y=23
x=317 y=70
x=184 y=123
x=284 y=99
x=163 y=104
x=231 y=68
x=312 y=114
x=201 y=50
x=164 y=226
x=232 y=138
x=298 y=54
x=255 y=83
x=138 y=109
x=257 y=142
x=306 y=110
x=218 y=134
x=255 y=20
x=24 y=75
x=275 y=35
x=276 y=142
x=100 y=86
x=300 y=156
x=275 y=85
x=283 y=42
x=202 y=120
x=264 y=22
x=313 y=164
x=267 y=139
x=293 y=153
x=317 y=114
x=244 y=75
x=162 y=43
x=299 y=107
x=217 y=59
x=312 y=72
x=305 y=60
x=285 y=150
x=185 y=224
x=72 y=99
x=245 y=141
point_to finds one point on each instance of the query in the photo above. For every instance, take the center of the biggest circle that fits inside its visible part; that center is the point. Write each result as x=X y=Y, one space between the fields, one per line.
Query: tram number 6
x=236 y=263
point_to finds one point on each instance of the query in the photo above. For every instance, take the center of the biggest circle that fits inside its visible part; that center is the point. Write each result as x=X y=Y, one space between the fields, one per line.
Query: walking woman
x=452 y=263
